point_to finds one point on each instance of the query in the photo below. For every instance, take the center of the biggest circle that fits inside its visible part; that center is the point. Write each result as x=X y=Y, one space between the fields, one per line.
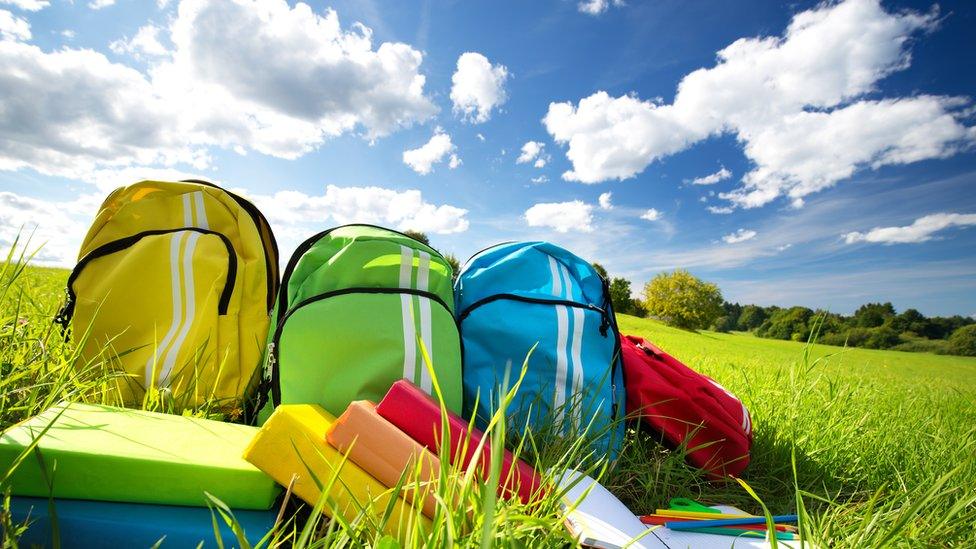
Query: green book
x=114 y=454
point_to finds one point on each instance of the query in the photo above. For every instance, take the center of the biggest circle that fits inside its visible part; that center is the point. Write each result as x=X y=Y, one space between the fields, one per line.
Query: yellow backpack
x=172 y=290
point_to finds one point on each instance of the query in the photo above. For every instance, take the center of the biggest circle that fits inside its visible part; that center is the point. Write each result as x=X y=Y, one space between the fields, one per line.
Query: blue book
x=104 y=524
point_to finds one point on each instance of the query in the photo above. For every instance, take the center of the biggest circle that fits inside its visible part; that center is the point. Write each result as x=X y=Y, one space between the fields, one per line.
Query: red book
x=418 y=415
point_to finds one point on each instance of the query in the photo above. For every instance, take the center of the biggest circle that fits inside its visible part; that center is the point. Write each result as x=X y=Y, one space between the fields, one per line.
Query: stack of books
x=114 y=477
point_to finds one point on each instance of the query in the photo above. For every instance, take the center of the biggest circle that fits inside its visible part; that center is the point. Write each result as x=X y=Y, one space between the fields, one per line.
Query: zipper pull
x=269 y=364
x=63 y=318
x=605 y=324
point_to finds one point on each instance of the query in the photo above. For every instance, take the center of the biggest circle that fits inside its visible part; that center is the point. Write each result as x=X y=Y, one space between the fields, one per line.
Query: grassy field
x=873 y=448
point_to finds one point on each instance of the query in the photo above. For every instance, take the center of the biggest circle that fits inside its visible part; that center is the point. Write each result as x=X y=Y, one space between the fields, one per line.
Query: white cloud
x=281 y=80
x=13 y=27
x=144 y=43
x=480 y=137
x=341 y=205
x=54 y=229
x=651 y=215
x=740 y=235
x=796 y=102
x=423 y=158
x=27 y=5
x=561 y=216
x=99 y=4
x=605 y=202
x=68 y=33
x=596 y=7
x=922 y=230
x=720 y=209
x=712 y=178
x=539 y=180
x=477 y=87
x=258 y=76
x=530 y=151
x=533 y=151
x=71 y=111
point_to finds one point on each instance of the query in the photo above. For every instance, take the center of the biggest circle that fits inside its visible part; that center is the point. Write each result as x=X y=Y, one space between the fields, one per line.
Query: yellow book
x=292 y=443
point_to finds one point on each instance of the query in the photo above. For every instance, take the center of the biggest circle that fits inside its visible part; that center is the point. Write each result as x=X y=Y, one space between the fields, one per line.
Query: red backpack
x=686 y=408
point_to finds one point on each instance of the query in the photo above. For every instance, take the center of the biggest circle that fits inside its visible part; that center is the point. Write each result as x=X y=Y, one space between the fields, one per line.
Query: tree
x=724 y=324
x=455 y=264
x=872 y=315
x=417 y=235
x=732 y=312
x=751 y=317
x=882 y=337
x=792 y=323
x=963 y=341
x=602 y=270
x=682 y=300
x=910 y=320
x=620 y=296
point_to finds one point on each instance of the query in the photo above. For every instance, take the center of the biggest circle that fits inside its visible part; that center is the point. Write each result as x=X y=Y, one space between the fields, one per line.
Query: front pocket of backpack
x=569 y=362
x=334 y=349
x=147 y=307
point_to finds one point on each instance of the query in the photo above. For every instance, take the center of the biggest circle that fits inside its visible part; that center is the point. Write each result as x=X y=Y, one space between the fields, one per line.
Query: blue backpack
x=514 y=296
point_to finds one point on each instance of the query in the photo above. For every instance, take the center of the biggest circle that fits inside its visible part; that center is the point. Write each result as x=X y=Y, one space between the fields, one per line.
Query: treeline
x=682 y=300
x=872 y=326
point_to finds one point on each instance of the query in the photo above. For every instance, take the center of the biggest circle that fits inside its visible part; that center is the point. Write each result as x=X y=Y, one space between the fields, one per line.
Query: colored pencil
x=699 y=515
x=661 y=521
x=745 y=533
x=692 y=525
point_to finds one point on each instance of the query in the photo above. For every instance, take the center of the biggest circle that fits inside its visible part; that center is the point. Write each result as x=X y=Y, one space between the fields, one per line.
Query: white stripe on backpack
x=176 y=240
x=200 y=211
x=579 y=321
x=426 y=334
x=194 y=215
x=189 y=308
x=562 y=333
x=575 y=345
x=406 y=313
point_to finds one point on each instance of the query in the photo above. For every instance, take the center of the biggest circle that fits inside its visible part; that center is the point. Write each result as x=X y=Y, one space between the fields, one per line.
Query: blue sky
x=832 y=144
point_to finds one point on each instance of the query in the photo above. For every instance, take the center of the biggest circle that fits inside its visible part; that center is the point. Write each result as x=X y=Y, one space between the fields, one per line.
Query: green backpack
x=357 y=306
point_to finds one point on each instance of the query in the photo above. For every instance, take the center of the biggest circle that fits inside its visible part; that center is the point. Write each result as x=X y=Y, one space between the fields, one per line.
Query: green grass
x=873 y=448
x=870 y=432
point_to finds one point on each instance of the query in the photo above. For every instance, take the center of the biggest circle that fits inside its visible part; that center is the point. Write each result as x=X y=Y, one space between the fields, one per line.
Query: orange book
x=385 y=452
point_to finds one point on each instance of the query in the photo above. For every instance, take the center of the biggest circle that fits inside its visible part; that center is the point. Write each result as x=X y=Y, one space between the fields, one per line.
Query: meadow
x=871 y=448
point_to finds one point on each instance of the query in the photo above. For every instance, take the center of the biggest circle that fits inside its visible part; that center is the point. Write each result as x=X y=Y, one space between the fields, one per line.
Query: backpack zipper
x=274 y=347
x=270 y=263
x=539 y=300
x=307 y=245
x=63 y=317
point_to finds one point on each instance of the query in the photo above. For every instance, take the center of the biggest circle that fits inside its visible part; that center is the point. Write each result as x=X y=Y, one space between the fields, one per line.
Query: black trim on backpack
x=539 y=300
x=63 y=317
x=617 y=349
x=270 y=263
x=275 y=381
x=309 y=242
